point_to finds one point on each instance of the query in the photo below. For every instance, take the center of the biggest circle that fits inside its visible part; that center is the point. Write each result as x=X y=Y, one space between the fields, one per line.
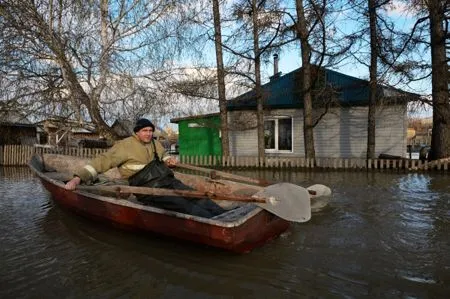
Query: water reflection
x=383 y=235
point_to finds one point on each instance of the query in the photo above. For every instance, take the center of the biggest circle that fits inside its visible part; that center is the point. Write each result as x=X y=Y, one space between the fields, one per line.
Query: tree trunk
x=258 y=89
x=373 y=81
x=221 y=79
x=440 y=138
x=308 y=127
x=78 y=95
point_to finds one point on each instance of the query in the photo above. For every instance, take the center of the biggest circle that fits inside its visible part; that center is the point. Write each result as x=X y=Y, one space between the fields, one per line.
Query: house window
x=195 y=125
x=278 y=134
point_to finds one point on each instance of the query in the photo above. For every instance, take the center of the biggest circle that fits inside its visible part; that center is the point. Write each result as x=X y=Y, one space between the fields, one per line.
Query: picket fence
x=19 y=155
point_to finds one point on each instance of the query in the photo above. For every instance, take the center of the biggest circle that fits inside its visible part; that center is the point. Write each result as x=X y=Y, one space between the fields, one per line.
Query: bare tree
x=431 y=33
x=221 y=79
x=373 y=78
x=258 y=87
x=320 y=47
x=256 y=33
x=439 y=12
x=303 y=36
x=388 y=50
x=90 y=56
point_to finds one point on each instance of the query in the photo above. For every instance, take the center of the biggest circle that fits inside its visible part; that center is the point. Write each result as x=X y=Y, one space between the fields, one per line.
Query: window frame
x=276 y=129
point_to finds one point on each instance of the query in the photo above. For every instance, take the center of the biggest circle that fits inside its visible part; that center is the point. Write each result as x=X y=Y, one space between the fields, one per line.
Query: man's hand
x=171 y=162
x=73 y=183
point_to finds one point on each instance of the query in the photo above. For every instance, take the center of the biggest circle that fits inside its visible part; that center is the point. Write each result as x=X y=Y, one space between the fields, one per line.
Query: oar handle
x=121 y=189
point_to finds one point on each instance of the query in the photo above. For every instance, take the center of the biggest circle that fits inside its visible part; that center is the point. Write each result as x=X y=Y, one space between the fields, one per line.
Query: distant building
x=422 y=128
x=16 y=129
x=17 y=133
x=64 y=132
x=199 y=135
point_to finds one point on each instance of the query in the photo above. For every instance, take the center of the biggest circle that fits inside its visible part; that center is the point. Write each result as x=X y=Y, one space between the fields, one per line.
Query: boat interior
x=60 y=168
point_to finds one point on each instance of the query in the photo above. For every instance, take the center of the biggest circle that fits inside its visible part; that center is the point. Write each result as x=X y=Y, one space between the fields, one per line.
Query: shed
x=17 y=133
x=15 y=128
x=199 y=135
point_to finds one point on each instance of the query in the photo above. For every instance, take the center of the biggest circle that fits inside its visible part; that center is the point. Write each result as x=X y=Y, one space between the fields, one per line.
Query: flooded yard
x=384 y=234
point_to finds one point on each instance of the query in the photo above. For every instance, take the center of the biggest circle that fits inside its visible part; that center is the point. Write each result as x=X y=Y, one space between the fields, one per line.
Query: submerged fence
x=18 y=155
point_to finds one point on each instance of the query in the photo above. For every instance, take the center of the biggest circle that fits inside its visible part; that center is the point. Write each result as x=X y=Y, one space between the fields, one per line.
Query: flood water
x=383 y=235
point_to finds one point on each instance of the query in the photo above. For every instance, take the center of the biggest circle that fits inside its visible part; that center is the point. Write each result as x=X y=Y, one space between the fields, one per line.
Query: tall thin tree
x=373 y=79
x=221 y=79
x=303 y=36
x=440 y=78
x=258 y=88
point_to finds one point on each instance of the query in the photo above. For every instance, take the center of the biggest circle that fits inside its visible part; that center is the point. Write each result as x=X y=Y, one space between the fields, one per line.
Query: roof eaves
x=178 y=119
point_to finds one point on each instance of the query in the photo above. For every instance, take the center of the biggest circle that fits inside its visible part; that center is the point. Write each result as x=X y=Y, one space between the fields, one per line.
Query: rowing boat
x=243 y=227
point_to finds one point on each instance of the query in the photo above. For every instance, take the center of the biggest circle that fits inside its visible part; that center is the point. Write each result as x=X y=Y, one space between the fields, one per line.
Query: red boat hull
x=238 y=236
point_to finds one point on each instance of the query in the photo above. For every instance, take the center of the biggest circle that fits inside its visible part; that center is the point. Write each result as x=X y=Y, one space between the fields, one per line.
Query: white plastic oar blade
x=290 y=202
x=321 y=190
x=321 y=198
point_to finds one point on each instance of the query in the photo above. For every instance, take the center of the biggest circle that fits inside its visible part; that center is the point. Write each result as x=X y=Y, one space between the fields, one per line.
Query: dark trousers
x=157 y=175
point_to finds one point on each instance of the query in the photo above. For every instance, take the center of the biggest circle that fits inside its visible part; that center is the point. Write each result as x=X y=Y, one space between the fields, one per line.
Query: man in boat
x=144 y=162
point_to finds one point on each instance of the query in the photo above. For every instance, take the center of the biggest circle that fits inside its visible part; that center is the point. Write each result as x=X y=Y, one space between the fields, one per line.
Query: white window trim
x=276 y=150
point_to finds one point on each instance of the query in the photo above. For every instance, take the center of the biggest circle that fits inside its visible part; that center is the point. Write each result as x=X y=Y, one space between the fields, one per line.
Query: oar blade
x=291 y=202
x=320 y=190
x=321 y=198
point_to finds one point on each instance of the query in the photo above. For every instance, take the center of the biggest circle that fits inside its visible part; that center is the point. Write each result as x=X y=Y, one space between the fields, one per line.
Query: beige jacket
x=129 y=155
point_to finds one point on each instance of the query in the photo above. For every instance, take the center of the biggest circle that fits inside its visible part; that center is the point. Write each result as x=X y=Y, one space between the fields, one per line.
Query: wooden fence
x=18 y=155
x=328 y=163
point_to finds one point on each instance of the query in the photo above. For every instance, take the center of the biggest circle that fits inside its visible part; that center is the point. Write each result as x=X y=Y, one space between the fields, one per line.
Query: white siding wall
x=243 y=142
x=341 y=133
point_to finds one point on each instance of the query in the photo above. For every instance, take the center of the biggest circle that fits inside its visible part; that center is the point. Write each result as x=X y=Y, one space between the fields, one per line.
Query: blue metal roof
x=285 y=91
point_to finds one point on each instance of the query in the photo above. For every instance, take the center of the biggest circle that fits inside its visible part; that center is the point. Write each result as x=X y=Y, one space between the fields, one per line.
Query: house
x=16 y=129
x=422 y=128
x=17 y=133
x=199 y=135
x=340 y=109
x=64 y=132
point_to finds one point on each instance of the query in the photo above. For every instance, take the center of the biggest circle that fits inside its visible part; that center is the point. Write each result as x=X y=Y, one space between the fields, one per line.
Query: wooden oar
x=124 y=189
x=287 y=201
x=214 y=174
x=220 y=174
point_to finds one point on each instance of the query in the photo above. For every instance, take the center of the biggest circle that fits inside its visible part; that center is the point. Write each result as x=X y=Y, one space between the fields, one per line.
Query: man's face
x=145 y=134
